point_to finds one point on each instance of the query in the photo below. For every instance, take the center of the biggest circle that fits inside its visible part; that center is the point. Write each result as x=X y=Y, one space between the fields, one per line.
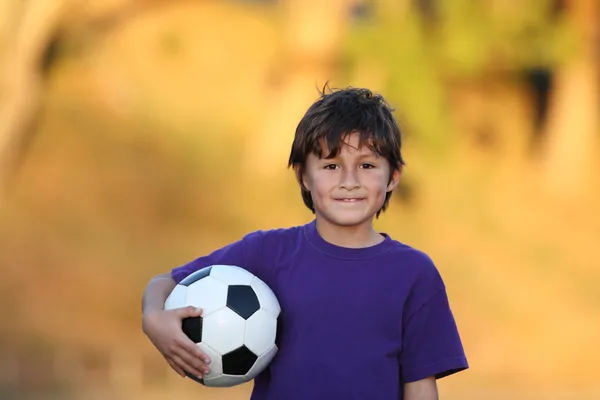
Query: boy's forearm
x=425 y=389
x=156 y=293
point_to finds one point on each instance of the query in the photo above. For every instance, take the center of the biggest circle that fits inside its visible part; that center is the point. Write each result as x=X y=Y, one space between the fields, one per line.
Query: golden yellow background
x=136 y=135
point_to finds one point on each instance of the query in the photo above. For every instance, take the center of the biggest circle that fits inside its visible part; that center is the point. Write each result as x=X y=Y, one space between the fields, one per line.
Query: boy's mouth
x=350 y=199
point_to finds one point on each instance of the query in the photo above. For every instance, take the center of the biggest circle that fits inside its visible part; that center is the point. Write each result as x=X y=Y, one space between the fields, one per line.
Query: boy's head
x=352 y=134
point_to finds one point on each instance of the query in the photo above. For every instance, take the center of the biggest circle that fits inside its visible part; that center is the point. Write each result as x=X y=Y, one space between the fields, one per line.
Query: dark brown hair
x=338 y=113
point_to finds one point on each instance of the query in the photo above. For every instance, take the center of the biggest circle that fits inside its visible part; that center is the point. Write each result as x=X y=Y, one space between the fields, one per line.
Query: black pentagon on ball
x=195 y=276
x=242 y=300
x=238 y=361
x=192 y=327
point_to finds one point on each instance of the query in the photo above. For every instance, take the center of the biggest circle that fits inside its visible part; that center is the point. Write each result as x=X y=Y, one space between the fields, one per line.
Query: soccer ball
x=238 y=326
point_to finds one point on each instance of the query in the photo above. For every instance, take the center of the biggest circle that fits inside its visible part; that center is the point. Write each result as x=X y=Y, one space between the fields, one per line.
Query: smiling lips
x=350 y=199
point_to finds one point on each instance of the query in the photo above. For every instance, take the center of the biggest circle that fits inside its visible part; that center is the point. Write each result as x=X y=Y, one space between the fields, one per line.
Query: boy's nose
x=349 y=180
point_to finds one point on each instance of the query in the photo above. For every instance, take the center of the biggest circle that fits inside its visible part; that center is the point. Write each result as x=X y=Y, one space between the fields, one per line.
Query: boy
x=364 y=316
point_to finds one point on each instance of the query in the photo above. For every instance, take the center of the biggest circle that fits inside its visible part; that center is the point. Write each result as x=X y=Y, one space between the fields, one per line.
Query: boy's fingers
x=187 y=367
x=190 y=311
x=175 y=367
x=192 y=360
x=190 y=347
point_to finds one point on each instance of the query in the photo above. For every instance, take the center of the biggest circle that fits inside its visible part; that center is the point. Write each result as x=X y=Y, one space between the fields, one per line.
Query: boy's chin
x=349 y=221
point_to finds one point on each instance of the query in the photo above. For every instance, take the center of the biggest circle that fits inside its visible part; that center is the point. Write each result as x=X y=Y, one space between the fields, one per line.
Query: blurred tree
x=28 y=28
x=571 y=147
x=30 y=32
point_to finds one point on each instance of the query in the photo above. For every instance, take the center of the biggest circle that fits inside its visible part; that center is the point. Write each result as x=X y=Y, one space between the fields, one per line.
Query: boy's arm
x=424 y=389
x=163 y=328
x=156 y=293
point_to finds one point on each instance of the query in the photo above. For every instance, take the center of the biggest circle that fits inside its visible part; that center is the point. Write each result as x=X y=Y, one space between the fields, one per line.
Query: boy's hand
x=163 y=328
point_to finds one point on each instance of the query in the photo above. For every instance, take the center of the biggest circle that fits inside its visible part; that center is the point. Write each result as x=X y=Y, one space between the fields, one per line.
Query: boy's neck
x=349 y=236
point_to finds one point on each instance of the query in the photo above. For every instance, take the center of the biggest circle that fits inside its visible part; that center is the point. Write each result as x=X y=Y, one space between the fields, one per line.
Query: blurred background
x=136 y=135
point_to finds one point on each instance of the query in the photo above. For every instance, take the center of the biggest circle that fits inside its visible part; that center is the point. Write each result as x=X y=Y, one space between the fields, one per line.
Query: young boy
x=363 y=316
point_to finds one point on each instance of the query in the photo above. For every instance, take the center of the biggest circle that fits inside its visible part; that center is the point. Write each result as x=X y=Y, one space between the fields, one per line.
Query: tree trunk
x=32 y=26
x=572 y=130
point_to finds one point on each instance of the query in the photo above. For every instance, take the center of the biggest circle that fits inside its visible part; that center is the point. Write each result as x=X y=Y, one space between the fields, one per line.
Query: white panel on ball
x=177 y=298
x=262 y=362
x=215 y=366
x=208 y=294
x=223 y=330
x=266 y=297
x=231 y=274
x=226 y=381
x=260 y=331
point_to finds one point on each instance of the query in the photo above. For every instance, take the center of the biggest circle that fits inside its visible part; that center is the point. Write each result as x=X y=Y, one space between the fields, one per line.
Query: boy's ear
x=394 y=179
x=299 y=176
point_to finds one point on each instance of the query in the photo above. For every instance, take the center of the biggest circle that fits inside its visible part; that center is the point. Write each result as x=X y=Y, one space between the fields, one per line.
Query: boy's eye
x=331 y=166
x=367 y=166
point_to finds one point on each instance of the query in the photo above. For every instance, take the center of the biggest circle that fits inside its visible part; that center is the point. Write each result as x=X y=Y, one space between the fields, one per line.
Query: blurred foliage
x=422 y=49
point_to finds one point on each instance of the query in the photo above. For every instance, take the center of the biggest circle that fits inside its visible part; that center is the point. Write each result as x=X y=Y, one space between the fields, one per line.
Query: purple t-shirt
x=355 y=323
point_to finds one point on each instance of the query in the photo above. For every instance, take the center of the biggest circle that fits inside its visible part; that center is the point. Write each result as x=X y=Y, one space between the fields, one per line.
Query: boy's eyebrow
x=360 y=157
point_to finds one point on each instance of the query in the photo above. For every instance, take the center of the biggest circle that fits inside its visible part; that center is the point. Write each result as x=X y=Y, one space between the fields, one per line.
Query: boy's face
x=349 y=189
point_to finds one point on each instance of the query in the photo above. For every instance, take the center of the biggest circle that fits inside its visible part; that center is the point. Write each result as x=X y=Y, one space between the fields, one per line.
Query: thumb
x=190 y=311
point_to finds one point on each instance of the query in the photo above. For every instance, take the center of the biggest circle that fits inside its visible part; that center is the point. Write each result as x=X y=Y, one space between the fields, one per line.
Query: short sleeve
x=243 y=253
x=431 y=344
